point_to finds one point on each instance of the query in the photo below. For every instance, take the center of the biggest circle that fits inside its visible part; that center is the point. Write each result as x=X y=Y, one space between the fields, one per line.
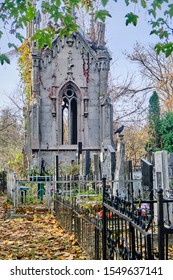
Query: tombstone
x=147 y=178
x=119 y=171
x=87 y=162
x=161 y=171
x=15 y=190
x=128 y=176
x=103 y=166
x=79 y=151
x=110 y=161
x=147 y=184
x=10 y=185
x=12 y=188
x=128 y=170
x=137 y=177
x=170 y=168
x=96 y=166
x=162 y=178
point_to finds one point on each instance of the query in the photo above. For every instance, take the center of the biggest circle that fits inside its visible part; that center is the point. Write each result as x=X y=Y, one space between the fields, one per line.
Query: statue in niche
x=35 y=98
x=70 y=59
x=70 y=65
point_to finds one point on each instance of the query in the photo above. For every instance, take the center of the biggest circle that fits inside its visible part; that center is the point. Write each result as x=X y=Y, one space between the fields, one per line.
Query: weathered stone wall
x=71 y=61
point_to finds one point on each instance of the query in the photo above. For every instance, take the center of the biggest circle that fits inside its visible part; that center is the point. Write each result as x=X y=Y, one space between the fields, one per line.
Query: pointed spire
x=101 y=34
x=73 y=13
x=30 y=25
x=92 y=27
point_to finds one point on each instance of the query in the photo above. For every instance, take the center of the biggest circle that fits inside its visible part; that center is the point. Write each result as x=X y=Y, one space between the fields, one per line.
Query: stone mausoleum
x=70 y=112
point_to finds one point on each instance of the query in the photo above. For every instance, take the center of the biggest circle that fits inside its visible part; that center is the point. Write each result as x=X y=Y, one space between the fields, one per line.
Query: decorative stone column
x=119 y=172
x=54 y=113
x=85 y=100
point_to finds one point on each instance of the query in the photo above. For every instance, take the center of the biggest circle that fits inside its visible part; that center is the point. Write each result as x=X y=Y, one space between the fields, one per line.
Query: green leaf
x=154 y=31
x=45 y=7
x=143 y=4
x=152 y=12
x=157 y=4
x=158 y=48
x=37 y=35
x=74 y=2
x=104 y=2
x=59 y=2
x=170 y=11
x=166 y=48
x=30 y=12
x=1 y=33
x=102 y=15
x=127 y=2
x=11 y=45
x=44 y=37
x=68 y=19
x=55 y=14
x=3 y=59
x=19 y=37
x=131 y=19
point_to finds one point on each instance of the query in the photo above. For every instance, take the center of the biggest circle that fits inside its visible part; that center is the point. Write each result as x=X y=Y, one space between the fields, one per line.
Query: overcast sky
x=119 y=38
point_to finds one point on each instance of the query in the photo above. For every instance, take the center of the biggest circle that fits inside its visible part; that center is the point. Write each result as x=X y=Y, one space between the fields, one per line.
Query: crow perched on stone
x=119 y=130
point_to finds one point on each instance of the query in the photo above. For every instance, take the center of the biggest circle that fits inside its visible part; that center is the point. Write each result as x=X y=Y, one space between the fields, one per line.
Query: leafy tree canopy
x=11 y=140
x=16 y=14
x=166 y=131
x=154 y=121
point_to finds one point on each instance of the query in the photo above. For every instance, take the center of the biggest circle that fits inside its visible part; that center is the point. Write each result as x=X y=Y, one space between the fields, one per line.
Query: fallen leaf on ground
x=36 y=237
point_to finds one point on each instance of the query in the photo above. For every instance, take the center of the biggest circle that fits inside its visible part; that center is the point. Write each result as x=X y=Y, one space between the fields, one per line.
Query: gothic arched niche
x=69 y=113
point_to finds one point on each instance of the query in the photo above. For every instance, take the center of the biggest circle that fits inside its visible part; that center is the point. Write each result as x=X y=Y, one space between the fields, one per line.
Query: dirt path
x=35 y=236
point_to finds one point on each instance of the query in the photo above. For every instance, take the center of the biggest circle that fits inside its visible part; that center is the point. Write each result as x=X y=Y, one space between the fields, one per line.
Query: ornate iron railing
x=83 y=222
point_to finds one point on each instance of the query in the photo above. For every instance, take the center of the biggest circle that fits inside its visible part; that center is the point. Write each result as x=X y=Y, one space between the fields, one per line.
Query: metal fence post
x=72 y=215
x=104 y=220
x=97 y=256
x=132 y=239
x=48 y=195
x=15 y=192
x=160 y=225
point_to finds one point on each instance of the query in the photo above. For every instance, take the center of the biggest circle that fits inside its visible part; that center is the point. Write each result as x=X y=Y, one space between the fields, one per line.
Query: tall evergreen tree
x=154 y=122
x=166 y=131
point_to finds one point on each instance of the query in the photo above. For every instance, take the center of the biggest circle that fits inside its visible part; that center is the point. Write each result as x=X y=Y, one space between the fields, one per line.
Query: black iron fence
x=108 y=222
x=83 y=221
x=165 y=229
x=127 y=228
x=118 y=227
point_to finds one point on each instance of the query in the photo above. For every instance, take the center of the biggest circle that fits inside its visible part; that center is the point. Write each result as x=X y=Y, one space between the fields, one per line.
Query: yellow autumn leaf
x=35 y=220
